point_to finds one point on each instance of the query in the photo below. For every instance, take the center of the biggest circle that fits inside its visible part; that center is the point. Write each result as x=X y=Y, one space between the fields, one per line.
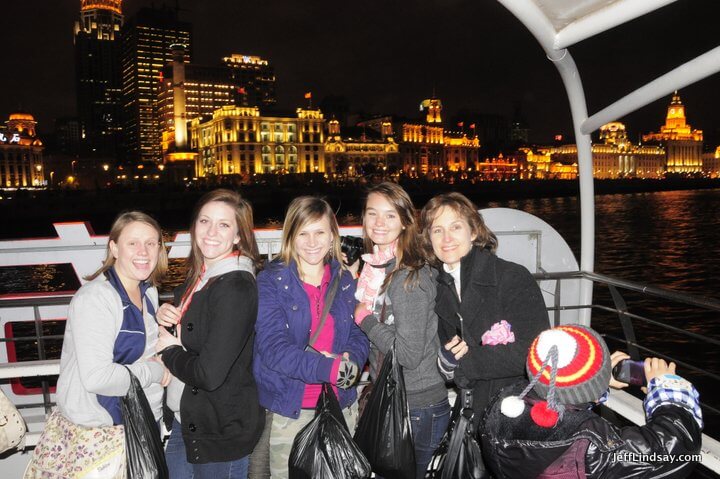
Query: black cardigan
x=221 y=417
x=492 y=289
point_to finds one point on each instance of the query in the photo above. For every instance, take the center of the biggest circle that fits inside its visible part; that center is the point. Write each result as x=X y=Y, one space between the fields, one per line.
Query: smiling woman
x=306 y=335
x=110 y=333
x=213 y=396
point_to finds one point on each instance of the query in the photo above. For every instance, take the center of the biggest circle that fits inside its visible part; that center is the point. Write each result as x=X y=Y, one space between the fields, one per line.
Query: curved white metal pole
x=578 y=107
x=686 y=74
x=535 y=20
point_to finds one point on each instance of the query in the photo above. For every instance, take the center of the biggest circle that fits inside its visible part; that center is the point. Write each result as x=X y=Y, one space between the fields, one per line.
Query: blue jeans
x=180 y=468
x=428 y=426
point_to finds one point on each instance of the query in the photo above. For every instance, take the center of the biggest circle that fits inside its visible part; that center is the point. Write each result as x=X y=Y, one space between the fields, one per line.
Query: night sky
x=385 y=56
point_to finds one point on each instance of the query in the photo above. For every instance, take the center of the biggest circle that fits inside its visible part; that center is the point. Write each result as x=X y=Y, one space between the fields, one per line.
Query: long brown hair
x=460 y=204
x=409 y=254
x=123 y=220
x=304 y=210
x=244 y=219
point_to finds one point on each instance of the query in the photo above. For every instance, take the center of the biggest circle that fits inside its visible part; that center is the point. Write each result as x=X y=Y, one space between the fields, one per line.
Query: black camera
x=353 y=247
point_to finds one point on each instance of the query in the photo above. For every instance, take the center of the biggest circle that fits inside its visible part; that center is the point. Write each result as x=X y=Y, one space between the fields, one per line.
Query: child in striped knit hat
x=546 y=428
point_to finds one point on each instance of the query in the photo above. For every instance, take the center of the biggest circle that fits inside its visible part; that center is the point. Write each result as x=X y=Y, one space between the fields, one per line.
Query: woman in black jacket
x=489 y=309
x=215 y=400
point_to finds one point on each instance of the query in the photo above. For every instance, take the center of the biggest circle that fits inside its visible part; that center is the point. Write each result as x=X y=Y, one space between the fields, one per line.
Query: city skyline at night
x=474 y=55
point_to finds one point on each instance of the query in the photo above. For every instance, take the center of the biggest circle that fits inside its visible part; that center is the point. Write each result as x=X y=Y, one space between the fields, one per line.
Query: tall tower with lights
x=682 y=144
x=97 y=72
x=148 y=41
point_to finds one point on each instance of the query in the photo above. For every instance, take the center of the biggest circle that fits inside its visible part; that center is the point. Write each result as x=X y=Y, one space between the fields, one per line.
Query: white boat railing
x=523 y=239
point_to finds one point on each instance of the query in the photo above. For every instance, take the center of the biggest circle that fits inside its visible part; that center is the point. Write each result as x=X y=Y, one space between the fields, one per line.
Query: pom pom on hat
x=512 y=406
x=566 y=365
x=543 y=416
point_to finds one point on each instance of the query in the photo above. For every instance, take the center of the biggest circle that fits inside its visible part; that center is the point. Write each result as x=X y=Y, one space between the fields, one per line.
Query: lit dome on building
x=112 y=5
x=22 y=117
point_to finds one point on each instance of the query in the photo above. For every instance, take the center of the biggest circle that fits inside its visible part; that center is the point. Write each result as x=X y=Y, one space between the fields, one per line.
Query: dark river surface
x=666 y=239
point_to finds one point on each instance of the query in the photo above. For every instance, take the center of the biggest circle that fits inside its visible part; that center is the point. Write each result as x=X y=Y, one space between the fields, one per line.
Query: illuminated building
x=241 y=141
x=460 y=151
x=254 y=78
x=147 y=40
x=97 y=73
x=421 y=143
x=711 y=163
x=187 y=91
x=497 y=169
x=21 y=159
x=360 y=150
x=617 y=157
x=533 y=165
x=683 y=145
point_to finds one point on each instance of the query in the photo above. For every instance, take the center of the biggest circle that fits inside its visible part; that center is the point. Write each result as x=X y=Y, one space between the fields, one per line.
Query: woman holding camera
x=397 y=298
x=305 y=332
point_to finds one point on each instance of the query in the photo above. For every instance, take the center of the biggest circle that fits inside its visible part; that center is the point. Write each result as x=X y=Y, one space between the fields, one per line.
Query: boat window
x=22 y=346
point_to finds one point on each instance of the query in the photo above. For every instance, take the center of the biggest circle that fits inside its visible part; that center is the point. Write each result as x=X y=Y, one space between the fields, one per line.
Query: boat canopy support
x=561 y=23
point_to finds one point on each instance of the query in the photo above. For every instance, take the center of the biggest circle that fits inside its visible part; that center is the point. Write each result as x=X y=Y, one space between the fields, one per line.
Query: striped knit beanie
x=566 y=365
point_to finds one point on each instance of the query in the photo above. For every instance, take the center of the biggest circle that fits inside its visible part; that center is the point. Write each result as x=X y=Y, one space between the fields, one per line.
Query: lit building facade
x=617 y=157
x=683 y=145
x=421 y=145
x=500 y=168
x=241 y=141
x=533 y=164
x=97 y=74
x=21 y=153
x=201 y=89
x=460 y=152
x=711 y=164
x=350 y=155
x=254 y=78
x=147 y=41
x=188 y=91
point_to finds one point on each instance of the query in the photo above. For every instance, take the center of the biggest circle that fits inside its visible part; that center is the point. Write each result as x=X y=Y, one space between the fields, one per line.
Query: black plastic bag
x=143 y=446
x=324 y=448
x=384 y=433
x=458 y=456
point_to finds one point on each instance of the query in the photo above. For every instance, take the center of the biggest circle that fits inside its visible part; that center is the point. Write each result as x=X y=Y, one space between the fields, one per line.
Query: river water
x=667 y=239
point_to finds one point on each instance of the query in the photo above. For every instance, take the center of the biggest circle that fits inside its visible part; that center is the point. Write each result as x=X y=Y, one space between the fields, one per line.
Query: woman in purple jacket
x=297 y=346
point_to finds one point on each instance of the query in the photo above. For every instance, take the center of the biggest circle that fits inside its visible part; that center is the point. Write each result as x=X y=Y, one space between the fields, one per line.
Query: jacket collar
x=293 y=270
x=478 y=267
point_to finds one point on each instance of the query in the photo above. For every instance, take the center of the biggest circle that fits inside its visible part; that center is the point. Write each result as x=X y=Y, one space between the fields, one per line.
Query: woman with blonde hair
x=306 y=335
x=217 y=419
x=396 y=291
x=111 y=326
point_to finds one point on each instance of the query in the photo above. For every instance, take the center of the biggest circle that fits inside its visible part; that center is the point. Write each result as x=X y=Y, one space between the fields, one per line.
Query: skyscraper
x=98 y=76
x=255 y=77
x=147 y=40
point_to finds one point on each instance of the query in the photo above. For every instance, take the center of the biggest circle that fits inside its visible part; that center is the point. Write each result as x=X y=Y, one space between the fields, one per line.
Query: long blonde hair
x=123 y=220
x=304 y=210
x=244 y=219
x=409 y=254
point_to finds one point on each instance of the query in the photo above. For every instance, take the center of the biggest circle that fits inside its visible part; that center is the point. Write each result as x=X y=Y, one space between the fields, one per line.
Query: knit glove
x=347 y=375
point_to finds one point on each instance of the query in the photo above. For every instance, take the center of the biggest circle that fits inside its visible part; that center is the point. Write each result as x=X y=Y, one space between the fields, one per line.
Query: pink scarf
x=372 y=275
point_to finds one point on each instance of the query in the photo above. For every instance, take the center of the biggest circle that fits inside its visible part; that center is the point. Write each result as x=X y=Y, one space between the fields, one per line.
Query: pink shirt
x=324 y=342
